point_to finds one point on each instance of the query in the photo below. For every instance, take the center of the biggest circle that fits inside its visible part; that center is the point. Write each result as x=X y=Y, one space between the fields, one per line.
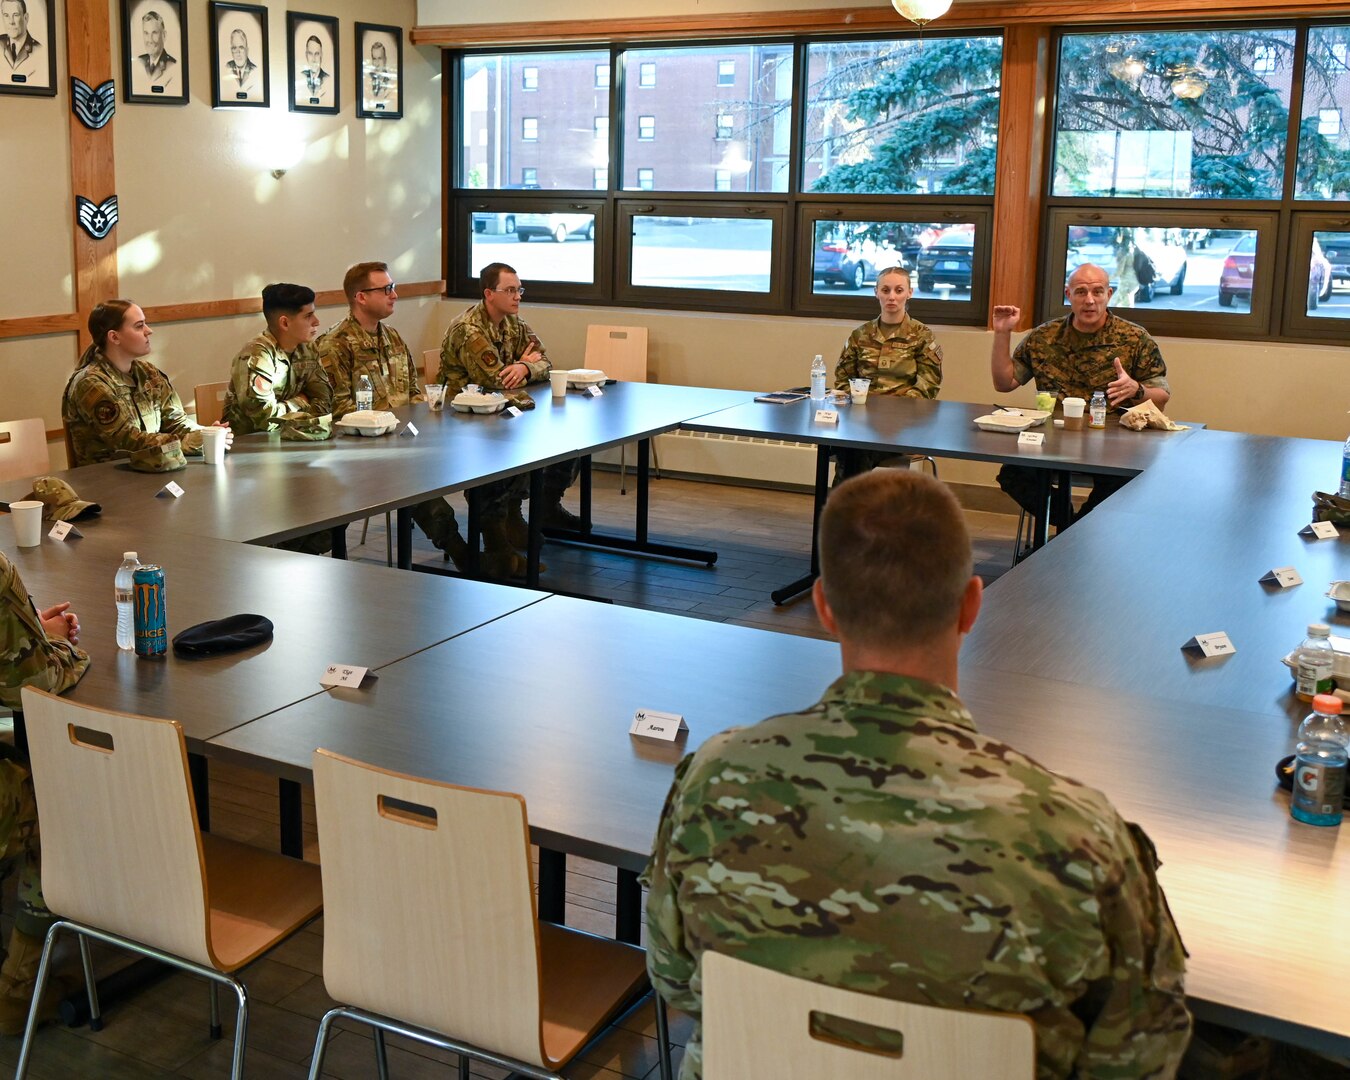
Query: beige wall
x=449 y=12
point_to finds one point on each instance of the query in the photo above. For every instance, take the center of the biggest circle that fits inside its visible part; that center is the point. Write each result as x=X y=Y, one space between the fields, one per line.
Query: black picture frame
x=312 y=68
x=147 y=80
x=379 y=90
x=33 y=71
x=235 y=85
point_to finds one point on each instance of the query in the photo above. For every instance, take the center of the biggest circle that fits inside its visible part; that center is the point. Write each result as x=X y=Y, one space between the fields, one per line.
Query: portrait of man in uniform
x=239 y=55
x=27 y=63
x=312 y=54
x=379 y=58
x=154 y=52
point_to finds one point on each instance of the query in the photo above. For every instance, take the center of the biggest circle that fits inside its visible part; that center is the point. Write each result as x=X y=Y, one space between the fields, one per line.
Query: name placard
x=409 y=429
x=1034 y=439
x=1320 y=530
x=1284 y=577
x=171 y=490
x=827 y=416
x=595 y=391
x=64 y=530
x=654 y=724
x=348 y=675
x=512 y=410
x=1216 y=644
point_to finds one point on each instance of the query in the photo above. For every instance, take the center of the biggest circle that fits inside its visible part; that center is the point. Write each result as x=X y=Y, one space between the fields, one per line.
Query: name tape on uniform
x=63 y=530
x=409 y=429
x=595 y=391
x=348 y=675
x=1031 y=438
x=1320 y=530
x=170 y=490
x=1284 y=576
x=827 y=416
x=512 y=410
x=654 y=724
x=1216 y=644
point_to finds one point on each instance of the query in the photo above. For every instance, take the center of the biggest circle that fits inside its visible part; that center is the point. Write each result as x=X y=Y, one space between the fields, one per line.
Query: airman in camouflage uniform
x=29 y=656
x=896 y=352
x=350 y=350
x=110 y=415
x=270 y=387
x=1087 y=350
x=878 y=842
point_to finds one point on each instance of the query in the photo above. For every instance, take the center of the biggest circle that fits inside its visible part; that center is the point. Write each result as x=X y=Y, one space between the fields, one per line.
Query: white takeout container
x=367 y=422
x=582 y=377
x=1012 y=420
x=1340 y=664
x=1340 y=592
x=468 y=401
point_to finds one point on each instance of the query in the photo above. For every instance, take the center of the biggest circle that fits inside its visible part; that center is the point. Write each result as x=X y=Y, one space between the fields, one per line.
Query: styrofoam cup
x=27 y=516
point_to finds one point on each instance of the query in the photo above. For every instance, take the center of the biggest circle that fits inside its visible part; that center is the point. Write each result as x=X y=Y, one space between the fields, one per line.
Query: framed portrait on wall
x=28 y=47
x=154 y=52
x=239 y=56
x=312 y=62
x=379 y=71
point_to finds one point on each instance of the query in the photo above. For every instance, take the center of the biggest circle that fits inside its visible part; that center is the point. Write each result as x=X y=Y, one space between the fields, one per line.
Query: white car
x=558 y=226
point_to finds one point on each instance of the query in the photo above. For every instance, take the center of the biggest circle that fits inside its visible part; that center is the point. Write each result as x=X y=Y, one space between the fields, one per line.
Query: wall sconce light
x=921 y=12
x=284 y=155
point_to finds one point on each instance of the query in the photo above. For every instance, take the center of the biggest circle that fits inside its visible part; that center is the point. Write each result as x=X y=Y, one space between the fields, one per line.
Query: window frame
x=1315 y=328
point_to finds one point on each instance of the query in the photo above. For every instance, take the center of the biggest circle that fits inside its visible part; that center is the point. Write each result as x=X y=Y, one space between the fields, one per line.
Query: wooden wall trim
x=854 y=20
x=37 y=325
x=222 y=309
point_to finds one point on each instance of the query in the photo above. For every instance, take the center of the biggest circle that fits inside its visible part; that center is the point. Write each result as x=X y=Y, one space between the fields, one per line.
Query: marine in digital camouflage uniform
x=110 y=415
x=271 y=388
x=877 y=842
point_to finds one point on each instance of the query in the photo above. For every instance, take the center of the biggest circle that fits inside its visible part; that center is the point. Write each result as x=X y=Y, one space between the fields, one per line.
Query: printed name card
x=1320 y=530
x=1284 y=577
x=64 y=530
x=1216 y=644
x=170 y=491
x=409 y=429
x=827 y=416
x=595 y=391
x=654 y=724
x=511 y=410
x=348 y=675
x=1035 y=439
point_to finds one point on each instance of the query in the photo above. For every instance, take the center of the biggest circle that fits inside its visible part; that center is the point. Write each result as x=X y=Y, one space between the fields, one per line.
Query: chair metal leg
x=240 y=1030
x=91 y=985
x=365 y=528
x=212 y=989
x=656 y=461
x=321 y=1043
x=623 y=464
x=21 y=1070
x=463 y=1067
x=381 y=1055
x=662 y=1036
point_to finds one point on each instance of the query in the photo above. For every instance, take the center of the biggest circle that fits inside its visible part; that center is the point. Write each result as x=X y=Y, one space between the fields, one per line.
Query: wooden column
x=1021 y=154
x=92 y=173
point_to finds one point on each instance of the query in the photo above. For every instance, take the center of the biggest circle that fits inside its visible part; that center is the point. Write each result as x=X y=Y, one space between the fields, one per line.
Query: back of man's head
x=894 y=558
x=358 y=278
x=284 y=299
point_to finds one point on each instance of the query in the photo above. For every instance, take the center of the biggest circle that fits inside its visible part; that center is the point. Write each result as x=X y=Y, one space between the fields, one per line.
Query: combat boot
x=18 y=977
x=455 y=548
x=517 y=528
x=500 y=558
x=554 y=515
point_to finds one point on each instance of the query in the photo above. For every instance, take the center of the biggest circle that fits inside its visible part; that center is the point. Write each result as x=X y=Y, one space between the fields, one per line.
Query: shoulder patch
x=105 y=412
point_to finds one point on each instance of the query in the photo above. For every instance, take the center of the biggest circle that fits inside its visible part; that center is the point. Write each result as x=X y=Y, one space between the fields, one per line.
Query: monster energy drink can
x=152 y=628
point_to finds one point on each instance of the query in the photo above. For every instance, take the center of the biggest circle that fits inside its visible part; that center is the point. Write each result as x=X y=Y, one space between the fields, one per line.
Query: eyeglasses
x=388 y=290
x=512 y=290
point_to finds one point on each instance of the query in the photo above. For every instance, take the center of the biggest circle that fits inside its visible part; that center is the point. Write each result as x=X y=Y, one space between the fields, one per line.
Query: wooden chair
x=23 y=449
x=124 y=862
x=431 y=364
x=430 y=929
x=758 y=1022
x=210 y=399
x=621 y=353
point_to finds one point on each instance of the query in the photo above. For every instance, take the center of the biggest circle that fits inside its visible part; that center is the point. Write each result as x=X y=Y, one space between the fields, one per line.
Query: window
x=601 y=127
x=646 y=128
x=563 y=247
x=529 y=177
x=646 y=179
x=647 y=75
x=602 y=76
x=1263 y=59
x=529 y=128
x=1323 y=150
x=722 y=180
x=1329 y=122
x=529 y=78
x=601 y=179
x=726 y=73
x=725 y=125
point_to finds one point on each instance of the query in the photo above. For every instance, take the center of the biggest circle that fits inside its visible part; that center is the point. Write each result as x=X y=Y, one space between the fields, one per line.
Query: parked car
x=838 y=263
x=494 y=223
x=558 y=226
x=1235 y=279
x=947 y=261
x=1159 y=256
x=1337 y=252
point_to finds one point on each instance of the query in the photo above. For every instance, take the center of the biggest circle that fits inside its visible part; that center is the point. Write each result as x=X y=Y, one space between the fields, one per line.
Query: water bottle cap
x=1318 y=629
x=1327 y=703
x=129 y=555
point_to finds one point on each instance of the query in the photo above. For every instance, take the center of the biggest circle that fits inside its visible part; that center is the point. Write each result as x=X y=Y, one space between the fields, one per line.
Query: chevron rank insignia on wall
x=93 y=108
x=97 y=219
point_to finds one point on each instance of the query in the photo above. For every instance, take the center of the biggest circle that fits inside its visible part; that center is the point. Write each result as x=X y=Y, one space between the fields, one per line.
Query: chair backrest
x=428 y=905
x=120 y=846
x=619 y=351
x=431 y=364
x=758 y=1022
x=210 y=398
x=23 y=449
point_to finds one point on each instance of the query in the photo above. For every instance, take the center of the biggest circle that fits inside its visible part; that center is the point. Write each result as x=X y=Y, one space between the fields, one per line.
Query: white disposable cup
x=436 y=396
x=558 y=381
x=858 y=389
x=1074 y=406
x=213 y=445
x=27 y=517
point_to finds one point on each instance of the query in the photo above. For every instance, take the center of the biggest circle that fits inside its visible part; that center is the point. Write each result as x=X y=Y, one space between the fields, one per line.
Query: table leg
x=339 y=541
x=628 y=908
x=536 y=542
x=1061 y=506
x=552 y=886
x=201 y=790
x=586 y=480
x=1041 y=519
x=292 y=819
x=473 y=529
x=787 y=592
x=404 y=527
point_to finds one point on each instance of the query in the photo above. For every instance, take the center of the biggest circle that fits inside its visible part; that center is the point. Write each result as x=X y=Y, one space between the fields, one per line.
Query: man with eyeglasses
x=1087 y=350
x=490 y=346
x=363 y=344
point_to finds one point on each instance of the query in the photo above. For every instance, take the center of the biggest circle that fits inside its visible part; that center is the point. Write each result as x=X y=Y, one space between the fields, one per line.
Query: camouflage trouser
x=315 y=543
x=1025 y=487
x=436 y=518
x=495 y=498
x=19 y=843
x=850 y=463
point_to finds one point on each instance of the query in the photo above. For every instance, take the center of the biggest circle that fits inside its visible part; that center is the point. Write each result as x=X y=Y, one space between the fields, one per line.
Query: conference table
x=1076 y=660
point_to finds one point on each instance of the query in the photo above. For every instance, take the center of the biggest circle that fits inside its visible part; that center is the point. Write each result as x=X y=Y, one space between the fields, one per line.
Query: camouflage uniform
x=1068 y=363
x=878 y=843
x=476 y=351
x=347 y=352
x=268 y=386
x=28 y=657
x=903 y=360
x=110 y=415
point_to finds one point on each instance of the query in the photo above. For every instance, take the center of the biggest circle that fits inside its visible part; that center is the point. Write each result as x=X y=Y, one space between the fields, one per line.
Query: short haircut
x=284 y=299
x=894 y=558
x=358 y=278
x=23 y=6
x=242 y=37
x=378 y=45
x=315 y=40
x=152 y=16
x=491 y=274
x=902 y=271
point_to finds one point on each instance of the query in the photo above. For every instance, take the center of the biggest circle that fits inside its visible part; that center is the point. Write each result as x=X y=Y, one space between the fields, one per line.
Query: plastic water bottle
x=1315 y=662
x=1097 y=410
x=1345 y=471
x=365 y=393
x=122 y=589
x=1319 y=765
x=818 y=378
